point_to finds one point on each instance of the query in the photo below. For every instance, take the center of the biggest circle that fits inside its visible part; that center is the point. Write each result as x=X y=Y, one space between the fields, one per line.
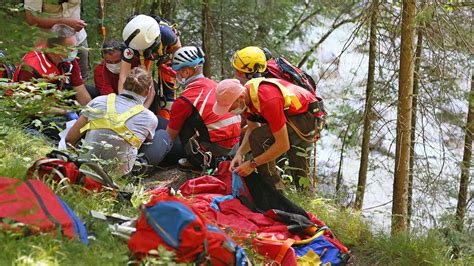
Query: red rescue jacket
x=223 y=130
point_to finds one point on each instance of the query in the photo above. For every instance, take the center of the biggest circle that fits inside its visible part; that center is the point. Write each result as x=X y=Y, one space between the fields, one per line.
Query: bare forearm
x=172 y=133
x=45 y=23
x=124 y=71
x=82 y=96
x=74 y=133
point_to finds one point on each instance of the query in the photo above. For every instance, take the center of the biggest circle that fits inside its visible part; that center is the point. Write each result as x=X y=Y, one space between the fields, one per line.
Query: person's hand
x=244 y=169
x=151 y=93
x=75 y=23
x=235 y=162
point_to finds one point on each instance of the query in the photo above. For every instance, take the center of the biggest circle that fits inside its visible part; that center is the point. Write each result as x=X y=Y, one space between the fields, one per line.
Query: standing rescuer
x=281 y=117
x=280 y=113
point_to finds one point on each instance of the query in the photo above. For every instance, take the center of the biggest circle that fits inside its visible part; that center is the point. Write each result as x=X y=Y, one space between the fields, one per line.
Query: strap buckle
x=196 y=149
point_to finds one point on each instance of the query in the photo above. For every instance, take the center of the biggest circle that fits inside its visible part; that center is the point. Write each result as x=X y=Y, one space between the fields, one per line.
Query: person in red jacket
x=206 y=137
x=106 y=74
x=52 y=64
x=281 y=117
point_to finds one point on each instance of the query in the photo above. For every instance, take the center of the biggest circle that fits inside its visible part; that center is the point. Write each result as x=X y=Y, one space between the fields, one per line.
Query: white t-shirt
x=106 y=144
x=68 y=9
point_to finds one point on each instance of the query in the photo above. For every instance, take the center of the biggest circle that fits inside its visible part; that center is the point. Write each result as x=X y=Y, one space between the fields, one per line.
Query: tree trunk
x=416 y=85
x=405 y=91
x=164 y=8
x=206 y=37
x=466 y=161
x=368 y=114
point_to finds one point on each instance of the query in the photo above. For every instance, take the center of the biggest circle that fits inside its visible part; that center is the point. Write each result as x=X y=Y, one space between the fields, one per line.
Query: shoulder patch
x=128 y=53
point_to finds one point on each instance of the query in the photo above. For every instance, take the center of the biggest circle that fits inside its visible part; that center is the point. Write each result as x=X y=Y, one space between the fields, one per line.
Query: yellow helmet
x=251 y=59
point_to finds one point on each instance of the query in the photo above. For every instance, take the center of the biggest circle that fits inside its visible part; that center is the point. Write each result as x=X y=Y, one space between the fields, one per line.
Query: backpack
x=30 y=206
x=173 y=223
x=54 y=168
x=6 y=69
x=282 y=69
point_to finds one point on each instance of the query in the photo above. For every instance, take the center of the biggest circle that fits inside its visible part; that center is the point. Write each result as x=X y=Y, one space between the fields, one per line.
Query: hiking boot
x=185 y=166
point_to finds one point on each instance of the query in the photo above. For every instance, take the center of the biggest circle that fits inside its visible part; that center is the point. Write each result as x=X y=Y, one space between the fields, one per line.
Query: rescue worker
x=45 y=14
x=106 y=74
x=115 y=126
x=206 y=137
x=151 y=39
x=249 y=63
x=281 y=118
x=61 y=61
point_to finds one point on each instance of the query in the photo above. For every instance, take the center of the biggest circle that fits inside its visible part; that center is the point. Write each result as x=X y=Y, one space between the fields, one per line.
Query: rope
x=306 y=137
x=103 y=29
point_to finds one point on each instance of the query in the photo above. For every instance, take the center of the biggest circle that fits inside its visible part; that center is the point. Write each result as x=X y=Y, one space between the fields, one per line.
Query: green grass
x=17 y=152
x=347 y=224
x=429 y=249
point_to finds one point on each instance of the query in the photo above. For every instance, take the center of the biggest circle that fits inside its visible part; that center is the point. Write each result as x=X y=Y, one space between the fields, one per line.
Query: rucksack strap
x=288 y=97
x=194 y=123
x=283 y=250
x=201 y=258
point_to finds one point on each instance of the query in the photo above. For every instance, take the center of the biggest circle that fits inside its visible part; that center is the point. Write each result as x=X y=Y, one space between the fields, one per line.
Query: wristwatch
x=253 y=163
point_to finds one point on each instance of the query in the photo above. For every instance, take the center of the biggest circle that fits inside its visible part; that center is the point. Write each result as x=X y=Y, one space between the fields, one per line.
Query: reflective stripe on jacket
x=201 y=94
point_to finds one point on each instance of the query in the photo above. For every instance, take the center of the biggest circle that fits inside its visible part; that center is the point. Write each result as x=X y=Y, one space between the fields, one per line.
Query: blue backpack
x=174 y=224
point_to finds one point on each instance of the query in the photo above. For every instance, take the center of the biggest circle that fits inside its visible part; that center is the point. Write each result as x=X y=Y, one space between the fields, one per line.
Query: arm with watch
x=279 y=147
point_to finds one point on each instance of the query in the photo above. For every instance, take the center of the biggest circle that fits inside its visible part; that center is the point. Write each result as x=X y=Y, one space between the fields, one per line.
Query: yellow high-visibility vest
x=116 y=122
x=288 y=96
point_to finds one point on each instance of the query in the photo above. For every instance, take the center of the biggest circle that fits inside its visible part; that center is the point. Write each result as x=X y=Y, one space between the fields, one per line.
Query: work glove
x=71 y=115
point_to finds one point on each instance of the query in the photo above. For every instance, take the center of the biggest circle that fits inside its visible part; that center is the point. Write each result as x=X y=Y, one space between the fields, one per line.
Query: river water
x=437 y=153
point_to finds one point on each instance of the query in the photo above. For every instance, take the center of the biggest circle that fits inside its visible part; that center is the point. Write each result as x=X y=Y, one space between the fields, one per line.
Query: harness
x=289 y=97
x=195 y=132
x=116 y=122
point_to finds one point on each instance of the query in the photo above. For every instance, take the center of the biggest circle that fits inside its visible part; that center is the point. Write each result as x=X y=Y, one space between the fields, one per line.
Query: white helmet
x=141 y=32
x=187 y=56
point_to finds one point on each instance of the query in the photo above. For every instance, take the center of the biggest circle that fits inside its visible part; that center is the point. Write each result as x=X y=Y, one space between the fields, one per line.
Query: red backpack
x=54 y=168
x=31 y=206
x=172 y=223
x=282 y=69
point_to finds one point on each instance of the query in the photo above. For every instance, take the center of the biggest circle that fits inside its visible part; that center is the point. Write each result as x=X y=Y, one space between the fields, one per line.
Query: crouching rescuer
x=281 y=118
x=206 y=136
x=115 y=126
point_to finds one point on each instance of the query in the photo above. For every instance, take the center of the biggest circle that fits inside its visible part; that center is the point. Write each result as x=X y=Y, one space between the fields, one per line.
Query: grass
x=347 y=224
x=429 y=249
x=19 y=150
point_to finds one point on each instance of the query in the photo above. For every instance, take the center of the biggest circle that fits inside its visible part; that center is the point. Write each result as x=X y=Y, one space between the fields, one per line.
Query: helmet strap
x=142 y=58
